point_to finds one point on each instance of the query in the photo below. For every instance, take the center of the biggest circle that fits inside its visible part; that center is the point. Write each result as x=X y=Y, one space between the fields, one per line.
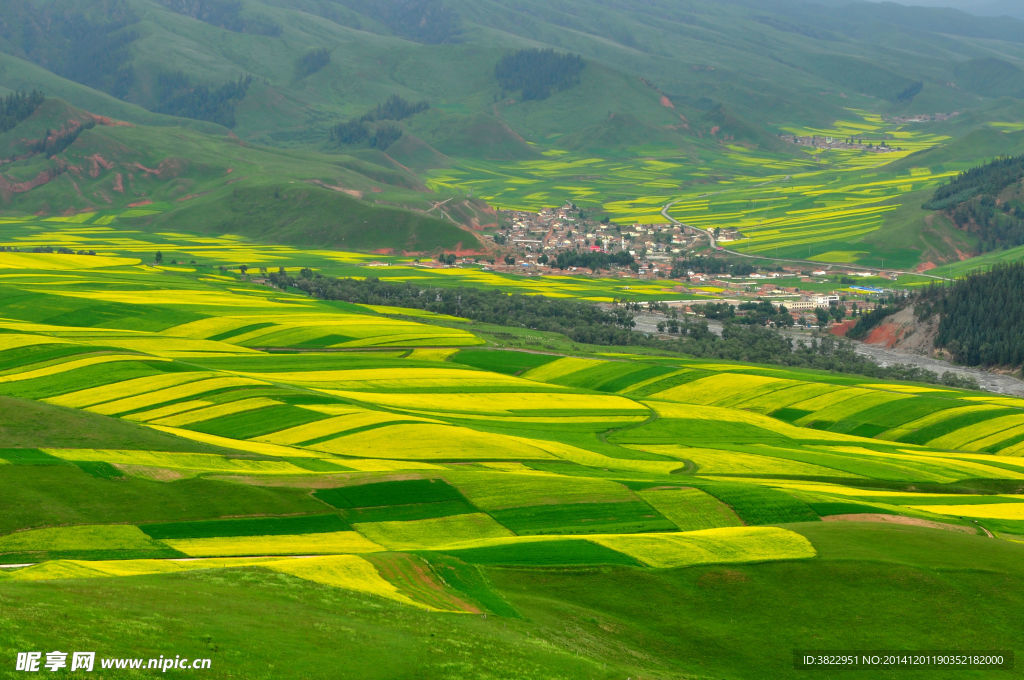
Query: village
x=560 y=241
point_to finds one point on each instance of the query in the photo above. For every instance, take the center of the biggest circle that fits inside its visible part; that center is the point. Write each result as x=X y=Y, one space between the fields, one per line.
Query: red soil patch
x=925 y=266
x=110 y=122
x=229 y=171
x=148 y=171
x=841 y=329
x=8 y=188
x=383 y=251
x=376 y=190
x=98 y=162
x=139 y=204
x=715 y=130
x=884 y=334
x=667 y=103
x=119 y=183
x=466 y=252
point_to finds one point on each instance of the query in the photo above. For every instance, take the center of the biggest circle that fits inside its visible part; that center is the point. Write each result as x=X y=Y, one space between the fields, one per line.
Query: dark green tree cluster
x=226 y=14
x=311 y=62
x=763 y=313
x=46 y=249
x=376 y=128
x=537 y=74
x=85 y=41
x=982 y=316
x=594 y=260
x=587 y=323
x=716 y=310
x=395 y=108
x=18 y=106
x=177 y=95
x=705 y=264
x=997 y=224
x=986 y=201
x=989 y=179
x=909 y=92
x=752 y=313
x=580 y=321
x=424 y=21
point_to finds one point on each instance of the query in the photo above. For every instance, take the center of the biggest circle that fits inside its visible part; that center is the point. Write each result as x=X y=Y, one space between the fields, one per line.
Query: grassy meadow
x=374 y=473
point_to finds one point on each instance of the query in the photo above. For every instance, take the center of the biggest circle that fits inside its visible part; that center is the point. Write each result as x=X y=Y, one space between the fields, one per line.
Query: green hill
x=62 y=160
x=793 y=62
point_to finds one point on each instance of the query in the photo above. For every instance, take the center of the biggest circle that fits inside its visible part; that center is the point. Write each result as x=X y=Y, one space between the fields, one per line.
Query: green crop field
x=179 y=428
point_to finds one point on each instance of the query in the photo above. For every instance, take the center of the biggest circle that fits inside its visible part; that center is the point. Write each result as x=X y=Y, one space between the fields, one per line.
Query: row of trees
x=18 y=106
x=537 y=74
x=580 y=321
x=588 y=323
x=63 y=250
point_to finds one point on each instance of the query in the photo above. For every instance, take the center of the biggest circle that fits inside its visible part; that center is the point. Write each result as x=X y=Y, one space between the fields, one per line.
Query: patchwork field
x=812 y=203
x=166 y=426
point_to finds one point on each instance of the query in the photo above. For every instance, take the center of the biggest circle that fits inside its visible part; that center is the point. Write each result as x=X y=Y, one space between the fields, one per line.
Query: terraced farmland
x=240 y=434
x=814 y=203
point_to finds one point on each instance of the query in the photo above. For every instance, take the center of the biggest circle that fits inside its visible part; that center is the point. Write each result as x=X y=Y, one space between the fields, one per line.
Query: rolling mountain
x=395 y=91
x=62 y=160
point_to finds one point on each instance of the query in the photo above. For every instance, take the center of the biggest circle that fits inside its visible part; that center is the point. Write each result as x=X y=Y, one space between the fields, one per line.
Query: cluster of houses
x=536 y=239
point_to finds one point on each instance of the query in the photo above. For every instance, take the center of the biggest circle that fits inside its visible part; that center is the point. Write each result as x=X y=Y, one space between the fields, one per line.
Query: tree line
x=580 y=321
x=537 y=74
x=588 y=323
x=18 y=106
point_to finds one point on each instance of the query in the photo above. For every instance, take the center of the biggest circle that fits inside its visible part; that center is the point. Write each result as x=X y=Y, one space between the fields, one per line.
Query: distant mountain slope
x=986 y=202
x=283 y=72
x=62 y=160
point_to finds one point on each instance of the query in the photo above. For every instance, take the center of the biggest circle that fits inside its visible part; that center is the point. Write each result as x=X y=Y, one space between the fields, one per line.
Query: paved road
x=988 y=381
